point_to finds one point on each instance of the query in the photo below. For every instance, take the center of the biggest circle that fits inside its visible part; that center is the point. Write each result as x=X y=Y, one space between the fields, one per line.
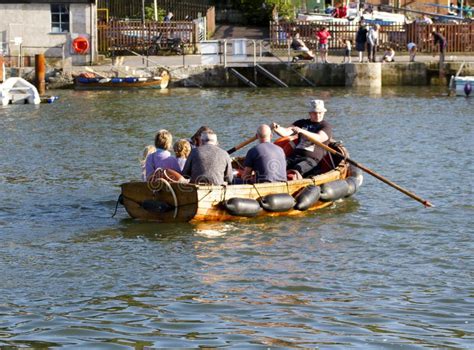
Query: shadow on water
x=128 y=228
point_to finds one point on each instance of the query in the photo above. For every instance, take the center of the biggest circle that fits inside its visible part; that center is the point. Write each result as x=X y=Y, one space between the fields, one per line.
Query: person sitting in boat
x=208 y=163
x=162 y=158
x=307 y=155
x=182 y=149
x=146 y=152
x=266 y=159
x=195 y=140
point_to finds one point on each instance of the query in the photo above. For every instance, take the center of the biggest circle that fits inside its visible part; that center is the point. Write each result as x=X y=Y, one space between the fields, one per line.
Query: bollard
x=40 y=72
x=2 y=69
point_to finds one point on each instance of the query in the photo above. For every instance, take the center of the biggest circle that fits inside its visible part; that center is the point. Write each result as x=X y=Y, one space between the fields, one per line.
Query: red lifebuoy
x=80 y=45
x=288 y=143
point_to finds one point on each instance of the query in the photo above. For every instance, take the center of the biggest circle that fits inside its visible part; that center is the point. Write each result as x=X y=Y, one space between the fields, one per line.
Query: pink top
x=323 y=36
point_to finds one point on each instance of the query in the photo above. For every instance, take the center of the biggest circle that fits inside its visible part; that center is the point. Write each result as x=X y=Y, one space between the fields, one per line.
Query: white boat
x=18 y=90
x=462 y=86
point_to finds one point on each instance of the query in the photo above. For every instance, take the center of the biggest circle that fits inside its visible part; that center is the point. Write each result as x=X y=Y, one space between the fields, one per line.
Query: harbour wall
x=294 y=75
x=349 y=75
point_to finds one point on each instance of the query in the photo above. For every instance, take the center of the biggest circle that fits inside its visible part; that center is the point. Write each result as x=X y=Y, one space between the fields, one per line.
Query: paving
x=260 y=33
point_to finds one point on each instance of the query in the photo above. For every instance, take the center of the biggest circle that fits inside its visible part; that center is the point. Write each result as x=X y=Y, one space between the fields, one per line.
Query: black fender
x=277 y=202
x=242 y=207
x=334 y=190
x=307 y=197
x=156 y=206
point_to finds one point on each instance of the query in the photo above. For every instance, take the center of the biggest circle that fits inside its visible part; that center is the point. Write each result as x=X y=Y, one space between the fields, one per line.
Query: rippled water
x=375 y=271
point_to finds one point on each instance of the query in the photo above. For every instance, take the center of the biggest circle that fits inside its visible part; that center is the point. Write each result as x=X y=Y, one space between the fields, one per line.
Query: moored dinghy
x=165 y=201
x=90 y=81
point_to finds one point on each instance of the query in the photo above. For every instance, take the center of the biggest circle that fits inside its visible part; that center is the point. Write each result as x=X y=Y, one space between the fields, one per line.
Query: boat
x=18 y=91
x=169 y=199
x=461 y=85
x=91 y=81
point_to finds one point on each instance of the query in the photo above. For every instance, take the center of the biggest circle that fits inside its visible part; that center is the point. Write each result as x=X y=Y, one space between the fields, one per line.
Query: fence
x=137 y=36
x=460 y=37
x=133 y=9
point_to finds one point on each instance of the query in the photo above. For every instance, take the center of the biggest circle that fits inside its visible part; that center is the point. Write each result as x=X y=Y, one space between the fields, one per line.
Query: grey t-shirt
x=268 y=161
x=209 y=164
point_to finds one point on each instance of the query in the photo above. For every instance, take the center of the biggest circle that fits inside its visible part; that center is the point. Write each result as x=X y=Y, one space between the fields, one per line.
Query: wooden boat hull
x=183 y=202
x=160 y=82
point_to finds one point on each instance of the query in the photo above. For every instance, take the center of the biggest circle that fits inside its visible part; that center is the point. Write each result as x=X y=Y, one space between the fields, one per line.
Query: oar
x=374 y=174
x=243 y=144
x=89 y=69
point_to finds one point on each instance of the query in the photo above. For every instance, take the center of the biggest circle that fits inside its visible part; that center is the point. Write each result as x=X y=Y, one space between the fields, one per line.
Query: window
x=59 y=18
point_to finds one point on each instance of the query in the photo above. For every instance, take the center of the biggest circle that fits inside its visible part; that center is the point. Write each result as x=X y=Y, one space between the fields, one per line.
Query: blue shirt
x=268 y=161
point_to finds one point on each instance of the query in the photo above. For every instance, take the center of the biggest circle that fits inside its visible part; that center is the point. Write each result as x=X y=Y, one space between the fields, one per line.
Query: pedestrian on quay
x=323 y=37
x=372 y=42
x=411 y=46
x=361 y=41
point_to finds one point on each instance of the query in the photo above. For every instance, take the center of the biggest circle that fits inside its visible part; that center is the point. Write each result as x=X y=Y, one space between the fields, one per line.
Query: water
x=375 y=271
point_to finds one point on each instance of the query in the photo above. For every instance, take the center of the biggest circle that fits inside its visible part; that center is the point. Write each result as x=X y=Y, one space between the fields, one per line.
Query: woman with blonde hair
x=182 y=148
x=162 y=158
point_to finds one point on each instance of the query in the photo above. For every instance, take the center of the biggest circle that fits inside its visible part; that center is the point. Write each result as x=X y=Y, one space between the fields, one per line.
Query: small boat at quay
x=167 y=198
x=462 y=86
x=91 y=81
x=18 y=91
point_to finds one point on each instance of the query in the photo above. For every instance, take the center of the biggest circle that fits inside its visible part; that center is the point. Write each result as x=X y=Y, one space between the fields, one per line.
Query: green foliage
x=260 y=11
x=150 y=13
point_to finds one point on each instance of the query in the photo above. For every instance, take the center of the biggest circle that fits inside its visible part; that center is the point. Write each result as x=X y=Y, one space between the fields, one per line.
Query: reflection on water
x=377 y=270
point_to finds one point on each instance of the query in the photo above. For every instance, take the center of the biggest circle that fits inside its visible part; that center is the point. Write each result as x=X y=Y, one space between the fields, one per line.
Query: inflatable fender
x=334 y=190
x=357 y=174
x=467 y=89
x=352 y=186
x=278 y=202
x=156 y=206
x=307 y=197
x=242 y=207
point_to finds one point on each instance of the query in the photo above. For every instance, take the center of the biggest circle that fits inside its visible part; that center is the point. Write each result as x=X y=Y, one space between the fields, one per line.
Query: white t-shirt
x=410 y=46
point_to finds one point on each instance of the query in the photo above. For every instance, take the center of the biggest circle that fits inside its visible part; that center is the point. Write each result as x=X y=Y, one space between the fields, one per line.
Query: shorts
x=323 y=46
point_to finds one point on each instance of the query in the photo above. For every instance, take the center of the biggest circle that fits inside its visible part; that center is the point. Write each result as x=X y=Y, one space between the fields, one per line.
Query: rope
x=175 y=199
x=257 y=190
x=116 y=205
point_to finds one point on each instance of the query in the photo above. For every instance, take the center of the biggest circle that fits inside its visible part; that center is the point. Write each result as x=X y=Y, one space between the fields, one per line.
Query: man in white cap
x=307 y=155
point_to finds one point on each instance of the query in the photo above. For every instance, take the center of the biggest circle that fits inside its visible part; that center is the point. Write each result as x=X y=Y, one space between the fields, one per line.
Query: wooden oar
x=374 y=174
x=89 y=69
x=243 y=144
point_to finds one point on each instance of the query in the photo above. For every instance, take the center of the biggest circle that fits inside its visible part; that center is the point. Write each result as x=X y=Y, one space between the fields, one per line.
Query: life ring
x=288 y=143
x=80 y=45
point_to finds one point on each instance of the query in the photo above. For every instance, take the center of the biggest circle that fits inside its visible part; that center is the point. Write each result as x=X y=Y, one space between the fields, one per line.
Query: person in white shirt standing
x=372 y=42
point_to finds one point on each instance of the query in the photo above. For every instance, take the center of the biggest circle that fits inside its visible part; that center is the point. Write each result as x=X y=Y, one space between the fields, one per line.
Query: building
x=63 y=30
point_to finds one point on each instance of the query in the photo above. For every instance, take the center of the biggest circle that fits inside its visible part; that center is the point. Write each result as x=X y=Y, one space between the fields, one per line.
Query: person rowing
x=306 y=155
